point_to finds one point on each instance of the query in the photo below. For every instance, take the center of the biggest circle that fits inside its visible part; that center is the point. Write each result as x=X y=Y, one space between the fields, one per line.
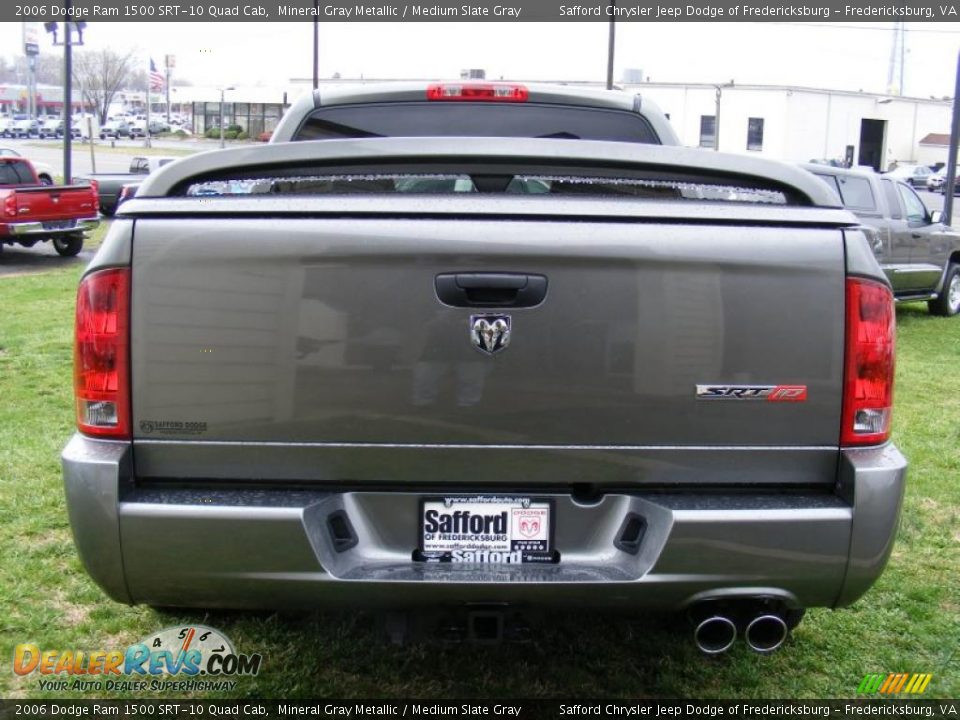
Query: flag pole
x=146 y=137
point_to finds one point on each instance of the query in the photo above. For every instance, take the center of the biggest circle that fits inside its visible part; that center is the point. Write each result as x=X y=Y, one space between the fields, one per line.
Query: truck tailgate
x=55 y=202
x=329 y=331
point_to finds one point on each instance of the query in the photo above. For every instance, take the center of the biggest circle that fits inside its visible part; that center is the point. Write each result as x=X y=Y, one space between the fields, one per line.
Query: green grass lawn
x=908 y=622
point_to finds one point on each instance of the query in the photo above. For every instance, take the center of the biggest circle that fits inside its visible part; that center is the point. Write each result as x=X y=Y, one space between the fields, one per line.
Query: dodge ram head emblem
x=490 y=333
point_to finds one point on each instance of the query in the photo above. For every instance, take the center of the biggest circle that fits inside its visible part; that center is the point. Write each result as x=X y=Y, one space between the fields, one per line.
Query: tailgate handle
x=491 y=289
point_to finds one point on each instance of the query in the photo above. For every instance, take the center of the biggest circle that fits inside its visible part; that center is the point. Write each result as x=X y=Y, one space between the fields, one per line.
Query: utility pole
x=68 y=98
x=31 y=48
x=950 y=180
x=223 y=92
x=68 y=28
x=611 y=44
x=146 y=136
x=716 y=119
x=169 y=61
x=316 y=44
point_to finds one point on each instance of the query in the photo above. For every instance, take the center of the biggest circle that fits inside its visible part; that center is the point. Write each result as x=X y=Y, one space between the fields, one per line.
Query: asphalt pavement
x=110 y=156
x=17 y=260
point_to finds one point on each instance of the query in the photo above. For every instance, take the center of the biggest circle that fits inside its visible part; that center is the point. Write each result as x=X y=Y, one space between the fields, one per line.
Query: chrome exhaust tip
x=715 y=635
x=766 y=633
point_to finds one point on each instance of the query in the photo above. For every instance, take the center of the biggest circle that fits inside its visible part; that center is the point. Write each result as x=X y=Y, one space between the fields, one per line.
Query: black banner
x=429 y=709
x=482 y=10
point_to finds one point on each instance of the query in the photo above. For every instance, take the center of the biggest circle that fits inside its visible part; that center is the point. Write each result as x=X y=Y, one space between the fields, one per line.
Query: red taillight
x=868 y=372
x=10 y=205
x=481 y=92
x=101 y=355
x=95 y=186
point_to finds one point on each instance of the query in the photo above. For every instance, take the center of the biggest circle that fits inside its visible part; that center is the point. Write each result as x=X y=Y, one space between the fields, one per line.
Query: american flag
x=156 y=77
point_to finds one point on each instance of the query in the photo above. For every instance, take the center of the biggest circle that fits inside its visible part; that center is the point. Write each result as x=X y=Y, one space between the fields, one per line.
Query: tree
x=49 y=69
x=99 y=75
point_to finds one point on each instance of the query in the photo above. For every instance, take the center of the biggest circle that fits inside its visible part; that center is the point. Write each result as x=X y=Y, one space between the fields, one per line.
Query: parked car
x=33 y=212
x=50 y=128
x=919 y=254
x=44 y=170
x=110 y=184
x=936 y=180
x=25 y=128
x=913 y=175
x=476 y=397
x=115 y=129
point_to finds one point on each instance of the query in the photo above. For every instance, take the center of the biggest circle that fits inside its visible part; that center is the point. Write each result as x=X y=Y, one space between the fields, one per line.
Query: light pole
x=51 y=27
x=223 y=92
x=611 y=44
x=316 y=44
x=951 y=178
x=716 y=117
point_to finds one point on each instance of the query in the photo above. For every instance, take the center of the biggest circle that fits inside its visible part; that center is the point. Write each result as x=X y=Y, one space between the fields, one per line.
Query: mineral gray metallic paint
x=294 y=329
x=264 y=548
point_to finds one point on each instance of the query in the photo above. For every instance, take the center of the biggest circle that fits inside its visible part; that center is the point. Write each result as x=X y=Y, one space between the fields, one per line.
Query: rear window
x=856 y=193
x=475 y=119
x=16 y=173
x=506 y=183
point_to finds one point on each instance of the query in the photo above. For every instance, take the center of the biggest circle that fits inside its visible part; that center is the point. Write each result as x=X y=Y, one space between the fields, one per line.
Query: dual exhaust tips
x=764 y=633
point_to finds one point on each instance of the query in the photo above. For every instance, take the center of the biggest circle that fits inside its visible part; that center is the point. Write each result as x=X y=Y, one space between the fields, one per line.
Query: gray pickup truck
x=919 y=254
x=110 y=185
x=486 y=373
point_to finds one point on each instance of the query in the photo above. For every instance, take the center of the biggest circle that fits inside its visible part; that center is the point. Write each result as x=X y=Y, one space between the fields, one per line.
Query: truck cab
x=474 y=109
x=919 y=253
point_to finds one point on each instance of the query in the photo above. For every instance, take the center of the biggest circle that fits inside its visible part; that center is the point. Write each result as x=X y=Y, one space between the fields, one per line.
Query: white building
x=801 y=124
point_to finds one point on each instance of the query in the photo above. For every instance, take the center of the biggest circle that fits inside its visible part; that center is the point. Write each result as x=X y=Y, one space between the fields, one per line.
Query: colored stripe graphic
x=870 y=683
x=894 y=683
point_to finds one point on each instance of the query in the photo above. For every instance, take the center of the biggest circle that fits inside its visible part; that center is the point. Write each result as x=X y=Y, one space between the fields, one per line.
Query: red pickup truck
x=31 y=212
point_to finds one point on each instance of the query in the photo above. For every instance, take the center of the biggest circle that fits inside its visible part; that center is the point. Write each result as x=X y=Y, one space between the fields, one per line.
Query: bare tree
x=8 y=74
x=100 y=74
x=49 y=69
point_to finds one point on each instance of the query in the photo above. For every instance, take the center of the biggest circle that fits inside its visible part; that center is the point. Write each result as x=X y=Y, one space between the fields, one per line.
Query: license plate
x=493 y=530
x=59 y=225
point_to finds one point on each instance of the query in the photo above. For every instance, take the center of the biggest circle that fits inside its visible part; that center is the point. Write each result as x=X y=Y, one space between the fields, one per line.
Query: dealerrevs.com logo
x=192 y=657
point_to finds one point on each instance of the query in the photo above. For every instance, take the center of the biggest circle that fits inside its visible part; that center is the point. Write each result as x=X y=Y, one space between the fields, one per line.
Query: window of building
x=708 y=131
x=754 y=133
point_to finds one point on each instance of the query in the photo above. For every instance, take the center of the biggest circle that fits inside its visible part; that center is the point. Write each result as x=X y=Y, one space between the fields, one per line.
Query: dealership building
x=799 y=124
x=796 y=124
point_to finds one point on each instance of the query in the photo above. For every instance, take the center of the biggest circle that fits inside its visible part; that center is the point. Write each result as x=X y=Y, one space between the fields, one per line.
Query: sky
x=836 y=56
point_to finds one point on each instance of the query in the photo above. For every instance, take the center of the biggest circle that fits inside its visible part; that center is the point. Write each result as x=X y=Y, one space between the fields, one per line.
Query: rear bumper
x=38 y=228
x=211 y=547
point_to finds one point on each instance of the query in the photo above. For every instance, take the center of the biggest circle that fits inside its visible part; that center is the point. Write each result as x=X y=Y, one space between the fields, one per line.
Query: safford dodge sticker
x=492 y=530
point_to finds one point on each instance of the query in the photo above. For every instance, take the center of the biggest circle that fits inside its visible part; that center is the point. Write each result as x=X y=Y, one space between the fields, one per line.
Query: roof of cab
x=410 y=91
